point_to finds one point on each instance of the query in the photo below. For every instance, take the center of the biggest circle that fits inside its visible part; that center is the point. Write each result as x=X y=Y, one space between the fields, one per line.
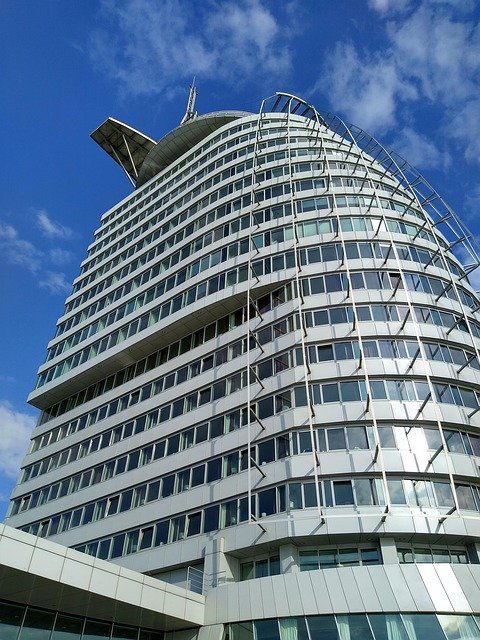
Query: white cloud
x=154 y=46
x=55 y=282
x=388 y=6
x=419 y=151
x=15 y=427
x=439 y=51
x=50 y=228
x=465 y=127
x=368 y=90
x=60 y=256
x=18 y=251
x=431 y=57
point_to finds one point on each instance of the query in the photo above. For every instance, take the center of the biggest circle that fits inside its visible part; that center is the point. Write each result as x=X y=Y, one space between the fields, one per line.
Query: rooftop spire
x=190 y=113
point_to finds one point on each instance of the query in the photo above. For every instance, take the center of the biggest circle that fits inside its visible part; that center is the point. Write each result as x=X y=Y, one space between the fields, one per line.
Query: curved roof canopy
x=141 y=157
x=127 y=146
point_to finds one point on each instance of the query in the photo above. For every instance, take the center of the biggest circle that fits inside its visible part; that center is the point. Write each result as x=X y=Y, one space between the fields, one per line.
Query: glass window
x=350 y=391
x=10 y=619
x=336 y=439
x=266 y=451
x=458 y=627
x=343 y=492
x=293 y=628
x=295 y=495
x=440 y=555
x=396 y=491
x=357 y=438
x=387 y=626
x=124 y=633
x=308 y=560
x=465 y=497
x=364 y=491
x=454 y=441
x=443 y=492
x=323 y=627
x=387 y=439
x=246 y=571
x=95 y=630
x=267 y=630
x=423 y=625
x=266 y=502
x=210 y=519
x=357 y=626
x=37 y=625
x=242 y=631
x=370 y=556
x=329 y=392
x=348 y=557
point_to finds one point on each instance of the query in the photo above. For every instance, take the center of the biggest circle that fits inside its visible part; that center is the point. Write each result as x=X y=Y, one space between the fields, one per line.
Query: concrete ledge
x=38 y=572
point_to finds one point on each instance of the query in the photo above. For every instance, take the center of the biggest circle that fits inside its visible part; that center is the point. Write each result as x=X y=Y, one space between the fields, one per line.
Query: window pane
x=348 y=557
x=124 y=633
x=267 y=630
x=336 y=439
x=357 y=626
x=293 y=629
x=343 y=492
x=242 y=631
x=10 y=619
x=363 y=491
x=308 y=560
x=246 y=571
x=266 y=502
x=328 y=558
x=370 y=556
x=458 y=627
x=387 y=626
x=95 y=630
x=357 y=438
x=322 y=628
x=67 y=628
x=424 y=625
x=37 y=625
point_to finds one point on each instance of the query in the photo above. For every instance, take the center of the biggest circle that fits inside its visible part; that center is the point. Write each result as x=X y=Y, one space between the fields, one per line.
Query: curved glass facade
x=269 y=365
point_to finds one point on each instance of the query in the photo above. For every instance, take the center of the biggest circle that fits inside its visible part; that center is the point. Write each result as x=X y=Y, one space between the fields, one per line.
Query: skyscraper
x=265 y=384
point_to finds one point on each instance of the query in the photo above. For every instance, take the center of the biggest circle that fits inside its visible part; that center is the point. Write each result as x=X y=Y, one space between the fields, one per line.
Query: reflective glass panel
x=387 y=626
x=421 y=625
x=37 y=625
x=10 y=618
x=67 y=628
x=322 y=628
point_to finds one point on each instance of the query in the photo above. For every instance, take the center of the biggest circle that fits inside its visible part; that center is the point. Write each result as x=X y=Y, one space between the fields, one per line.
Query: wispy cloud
x=50 y=228
x=55 y=282
x=18 y=251
x=153 y=46
x=368 y=89
x=38 y=256
x=16 y=429
x=420 y=151
x=385 y=7
x=60 y=256
x=432 y=58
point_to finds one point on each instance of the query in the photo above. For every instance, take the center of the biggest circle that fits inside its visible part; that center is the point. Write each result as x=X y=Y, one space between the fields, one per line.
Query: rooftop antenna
x=190 y=114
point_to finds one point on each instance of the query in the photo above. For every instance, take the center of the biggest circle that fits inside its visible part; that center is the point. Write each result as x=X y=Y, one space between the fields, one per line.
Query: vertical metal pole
x=301 y=320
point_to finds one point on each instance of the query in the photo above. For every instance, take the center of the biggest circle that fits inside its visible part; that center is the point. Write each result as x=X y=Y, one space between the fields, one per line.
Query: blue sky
x=405 y=70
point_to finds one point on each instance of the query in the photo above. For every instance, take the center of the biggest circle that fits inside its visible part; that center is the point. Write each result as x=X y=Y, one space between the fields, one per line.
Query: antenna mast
x=190 y=113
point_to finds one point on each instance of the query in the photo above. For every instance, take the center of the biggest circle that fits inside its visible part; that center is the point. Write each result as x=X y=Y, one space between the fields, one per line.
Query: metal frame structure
x=438 y=216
